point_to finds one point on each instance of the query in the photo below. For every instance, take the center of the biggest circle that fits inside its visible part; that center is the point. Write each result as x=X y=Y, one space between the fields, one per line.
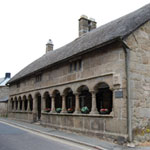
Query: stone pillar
x=94 y=106
x=53 y=104
x=23 y=105
x=28 y=106
x=43 y=101
x=63 y=104
x=14 y=105
x=77 y=104
x=19 y=105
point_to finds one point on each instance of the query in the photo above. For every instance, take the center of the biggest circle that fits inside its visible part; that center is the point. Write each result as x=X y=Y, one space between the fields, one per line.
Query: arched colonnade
x=82 y=100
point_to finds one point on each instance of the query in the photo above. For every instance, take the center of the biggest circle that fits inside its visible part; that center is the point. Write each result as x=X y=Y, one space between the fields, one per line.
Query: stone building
x=4 y=95
x=98 y=85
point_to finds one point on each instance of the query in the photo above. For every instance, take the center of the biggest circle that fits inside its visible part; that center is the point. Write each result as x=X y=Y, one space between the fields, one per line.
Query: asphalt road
x=12 y=138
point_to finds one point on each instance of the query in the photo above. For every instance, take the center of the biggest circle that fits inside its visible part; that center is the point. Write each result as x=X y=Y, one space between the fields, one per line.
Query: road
x=13 y=138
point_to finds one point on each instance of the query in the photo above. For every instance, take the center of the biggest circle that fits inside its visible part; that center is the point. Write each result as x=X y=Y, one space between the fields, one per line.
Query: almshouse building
x=97 y=85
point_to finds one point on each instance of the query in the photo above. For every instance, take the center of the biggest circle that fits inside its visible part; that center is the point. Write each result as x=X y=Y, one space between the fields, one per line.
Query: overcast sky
x=26 y=25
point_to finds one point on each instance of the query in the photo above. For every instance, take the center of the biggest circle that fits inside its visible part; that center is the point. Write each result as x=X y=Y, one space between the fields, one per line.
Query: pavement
x=72 y=137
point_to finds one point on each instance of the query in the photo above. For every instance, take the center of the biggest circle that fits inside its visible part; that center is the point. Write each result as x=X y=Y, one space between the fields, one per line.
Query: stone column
x=43 y=101
x=53 y=105
x=14 y=105
x=19 y=105
x=77 y=104
x=23 y=105
x=63 y=104
x=94 y=106
x=28 y=106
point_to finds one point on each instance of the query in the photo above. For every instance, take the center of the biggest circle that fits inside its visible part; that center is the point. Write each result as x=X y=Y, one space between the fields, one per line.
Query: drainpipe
x=129 y=102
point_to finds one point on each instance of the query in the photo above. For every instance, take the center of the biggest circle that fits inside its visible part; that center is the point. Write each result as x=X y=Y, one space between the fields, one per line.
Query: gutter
x=129 y=102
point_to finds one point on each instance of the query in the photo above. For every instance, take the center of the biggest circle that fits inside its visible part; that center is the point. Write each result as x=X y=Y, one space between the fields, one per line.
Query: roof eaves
x=66 y=59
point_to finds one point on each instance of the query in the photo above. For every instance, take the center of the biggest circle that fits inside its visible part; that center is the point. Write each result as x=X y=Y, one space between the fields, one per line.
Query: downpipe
x=129 y=102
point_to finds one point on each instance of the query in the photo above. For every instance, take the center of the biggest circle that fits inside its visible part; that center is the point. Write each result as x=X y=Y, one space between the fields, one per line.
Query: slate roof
x=1 y=79
x=4 y=81
x=119 y=28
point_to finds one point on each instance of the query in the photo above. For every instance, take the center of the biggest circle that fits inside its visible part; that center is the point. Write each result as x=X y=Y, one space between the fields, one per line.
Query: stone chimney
x=49 y=46
x=86 y=25
x=7 y=75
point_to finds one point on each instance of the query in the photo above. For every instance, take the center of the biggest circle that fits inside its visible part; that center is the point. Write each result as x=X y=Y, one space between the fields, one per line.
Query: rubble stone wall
x=139 y=44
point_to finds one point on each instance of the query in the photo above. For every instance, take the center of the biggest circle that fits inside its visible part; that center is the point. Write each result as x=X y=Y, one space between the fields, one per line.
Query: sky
x=27 y=25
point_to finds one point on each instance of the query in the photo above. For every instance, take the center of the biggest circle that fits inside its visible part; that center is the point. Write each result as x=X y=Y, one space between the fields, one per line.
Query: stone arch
x=104 y=97
x=30 y=102
x=85 y=97
x=70 y=100
x=47 y=100
x=58 y=99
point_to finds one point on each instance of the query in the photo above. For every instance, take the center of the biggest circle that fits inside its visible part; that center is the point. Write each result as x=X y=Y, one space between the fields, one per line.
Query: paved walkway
x=80 y=139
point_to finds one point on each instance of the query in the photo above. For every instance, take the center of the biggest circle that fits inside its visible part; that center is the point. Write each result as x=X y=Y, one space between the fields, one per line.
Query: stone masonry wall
x=139 y=43
x=108 y=60
x=96 y=65
x=4 y=92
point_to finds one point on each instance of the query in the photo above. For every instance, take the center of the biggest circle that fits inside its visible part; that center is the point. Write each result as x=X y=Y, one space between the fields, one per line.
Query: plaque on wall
x=118 y=94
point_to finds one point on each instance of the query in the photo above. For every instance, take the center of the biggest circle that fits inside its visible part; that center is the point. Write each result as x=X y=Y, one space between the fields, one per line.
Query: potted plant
x=47 y=109
x=58 y=110
x=104 y=111
x=70 y=110
x=85 y=110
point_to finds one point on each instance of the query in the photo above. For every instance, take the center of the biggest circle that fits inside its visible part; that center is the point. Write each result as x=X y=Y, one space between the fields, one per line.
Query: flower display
x=47 y=109
x=85 y=110
x=104 y=111
x=70 y=110
x=58 y=110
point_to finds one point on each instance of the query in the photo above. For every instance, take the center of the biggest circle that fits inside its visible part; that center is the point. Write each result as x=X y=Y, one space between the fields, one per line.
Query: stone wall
x=3 y=109
x=4 y=93
x=91 y=125
x=22 y=116
x=102 y=65
x=139 y=43
x=107 y=60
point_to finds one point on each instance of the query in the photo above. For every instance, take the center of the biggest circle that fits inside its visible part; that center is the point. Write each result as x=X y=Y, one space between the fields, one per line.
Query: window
x=38 y=78
x=70 y=67
x=80 y=64
x=18 y=84
x=75 y=65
